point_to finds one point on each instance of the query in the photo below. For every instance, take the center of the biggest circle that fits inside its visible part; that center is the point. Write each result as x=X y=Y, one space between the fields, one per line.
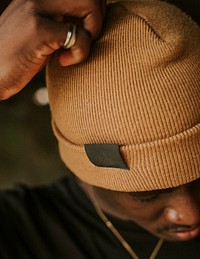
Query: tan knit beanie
x=136 y=99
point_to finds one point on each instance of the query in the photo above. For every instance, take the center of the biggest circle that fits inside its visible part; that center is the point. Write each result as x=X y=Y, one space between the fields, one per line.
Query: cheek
x=150 y=211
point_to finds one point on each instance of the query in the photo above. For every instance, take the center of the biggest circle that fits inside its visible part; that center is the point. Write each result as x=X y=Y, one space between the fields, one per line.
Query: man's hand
x=32 y=30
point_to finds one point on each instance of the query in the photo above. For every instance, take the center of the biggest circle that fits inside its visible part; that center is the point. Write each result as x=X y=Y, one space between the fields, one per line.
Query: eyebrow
x=154 y=192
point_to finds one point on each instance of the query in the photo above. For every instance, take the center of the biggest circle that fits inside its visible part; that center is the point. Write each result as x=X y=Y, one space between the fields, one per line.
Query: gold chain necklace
x=119 y=236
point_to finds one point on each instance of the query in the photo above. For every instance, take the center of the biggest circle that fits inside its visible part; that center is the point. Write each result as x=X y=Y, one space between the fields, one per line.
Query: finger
x=47 y=37
x=79 y=52
x=90 y=11
x=93 y=21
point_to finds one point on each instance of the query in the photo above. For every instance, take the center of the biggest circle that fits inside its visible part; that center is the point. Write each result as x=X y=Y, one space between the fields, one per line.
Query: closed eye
x=150 y=196
x=145 y=199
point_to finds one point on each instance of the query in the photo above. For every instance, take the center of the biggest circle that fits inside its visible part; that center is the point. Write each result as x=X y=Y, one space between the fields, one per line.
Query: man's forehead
x=153 y=192
x=167 y=190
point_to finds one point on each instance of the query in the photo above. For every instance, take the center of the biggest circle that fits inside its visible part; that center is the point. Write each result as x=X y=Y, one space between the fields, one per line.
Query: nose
x=183 y=208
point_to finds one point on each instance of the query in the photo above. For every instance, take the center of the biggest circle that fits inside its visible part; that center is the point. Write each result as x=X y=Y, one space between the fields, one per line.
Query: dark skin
x=172 y=214
x=32 y=30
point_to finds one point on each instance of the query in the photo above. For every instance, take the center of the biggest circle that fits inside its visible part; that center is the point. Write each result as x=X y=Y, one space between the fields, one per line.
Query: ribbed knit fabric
x=140 y=88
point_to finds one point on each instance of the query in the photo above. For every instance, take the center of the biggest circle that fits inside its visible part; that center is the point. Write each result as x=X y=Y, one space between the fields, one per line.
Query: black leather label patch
x=105 y=155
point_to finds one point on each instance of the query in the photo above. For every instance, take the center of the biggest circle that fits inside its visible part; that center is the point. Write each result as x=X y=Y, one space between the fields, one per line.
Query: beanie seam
x=145 y=21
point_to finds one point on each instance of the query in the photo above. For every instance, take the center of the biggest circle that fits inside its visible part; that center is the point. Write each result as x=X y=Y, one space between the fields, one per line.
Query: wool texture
x=140 y=89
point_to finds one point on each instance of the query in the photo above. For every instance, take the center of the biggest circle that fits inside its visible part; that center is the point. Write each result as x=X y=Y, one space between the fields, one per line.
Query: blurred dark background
x=28 y=149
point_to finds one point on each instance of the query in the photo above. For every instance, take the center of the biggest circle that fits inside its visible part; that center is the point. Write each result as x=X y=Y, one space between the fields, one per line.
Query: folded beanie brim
x=161 y=164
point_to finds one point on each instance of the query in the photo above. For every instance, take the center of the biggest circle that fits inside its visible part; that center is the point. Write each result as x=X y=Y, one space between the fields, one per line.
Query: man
x=127 y=122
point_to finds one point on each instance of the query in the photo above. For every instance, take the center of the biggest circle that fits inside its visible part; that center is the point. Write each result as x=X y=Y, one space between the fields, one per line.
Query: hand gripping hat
x=127 y=119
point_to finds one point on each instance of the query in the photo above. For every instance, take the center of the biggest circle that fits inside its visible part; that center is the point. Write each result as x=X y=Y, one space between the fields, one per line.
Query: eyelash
x=150 y=199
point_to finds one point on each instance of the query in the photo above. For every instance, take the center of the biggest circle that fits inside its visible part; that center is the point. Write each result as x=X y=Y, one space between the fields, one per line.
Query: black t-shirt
x=59 y=222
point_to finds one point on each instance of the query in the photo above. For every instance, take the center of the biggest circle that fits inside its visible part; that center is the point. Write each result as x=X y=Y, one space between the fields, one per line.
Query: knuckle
x=30 y=7
x=36 y=23
x=35 y=19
